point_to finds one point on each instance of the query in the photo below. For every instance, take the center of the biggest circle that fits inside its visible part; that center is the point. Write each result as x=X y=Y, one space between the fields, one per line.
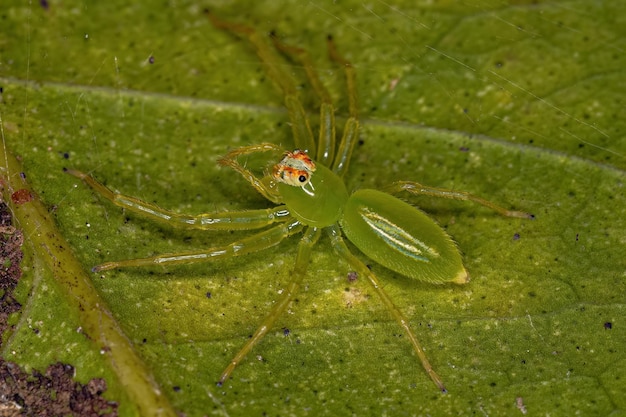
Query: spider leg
x=257 y=242
x=229 y=220
x=351 y=128
x=341 y=248
x=302 y=260
x=326 y=142
x=263 y=185
x=416 y=188
x=303 y=136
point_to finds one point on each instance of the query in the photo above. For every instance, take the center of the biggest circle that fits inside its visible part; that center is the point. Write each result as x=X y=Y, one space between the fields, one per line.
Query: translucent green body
x=320 y=202
x=385 y=228
x=401 y=237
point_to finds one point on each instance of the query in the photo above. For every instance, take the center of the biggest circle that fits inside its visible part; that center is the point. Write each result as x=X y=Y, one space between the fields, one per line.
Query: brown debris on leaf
x=11 y=254
x=52 y=394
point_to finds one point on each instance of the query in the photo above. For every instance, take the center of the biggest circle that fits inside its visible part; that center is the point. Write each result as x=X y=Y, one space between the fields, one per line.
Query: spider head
x=294 y=169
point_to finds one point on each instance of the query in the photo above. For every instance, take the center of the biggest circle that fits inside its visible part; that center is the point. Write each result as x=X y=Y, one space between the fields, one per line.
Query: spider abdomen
x=401 y=237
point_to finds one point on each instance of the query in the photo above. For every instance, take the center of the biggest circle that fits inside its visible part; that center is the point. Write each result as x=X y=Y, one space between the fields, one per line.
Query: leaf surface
x=518 y=102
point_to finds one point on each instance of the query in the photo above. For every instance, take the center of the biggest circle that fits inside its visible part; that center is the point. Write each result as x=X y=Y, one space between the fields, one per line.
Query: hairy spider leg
x=326 y=141
x=342 y=250
x=416 y=188
x=303 y=256
x=229 y=220
x=264 y=185
x=302 y=134
x=326 y=145
x=257 y=242
x=351 y=128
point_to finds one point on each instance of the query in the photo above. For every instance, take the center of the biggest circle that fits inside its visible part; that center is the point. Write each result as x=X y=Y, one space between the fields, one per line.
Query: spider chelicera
x=307 y=186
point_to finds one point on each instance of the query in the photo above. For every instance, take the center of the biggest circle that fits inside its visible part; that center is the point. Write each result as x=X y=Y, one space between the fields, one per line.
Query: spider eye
x=294 y=169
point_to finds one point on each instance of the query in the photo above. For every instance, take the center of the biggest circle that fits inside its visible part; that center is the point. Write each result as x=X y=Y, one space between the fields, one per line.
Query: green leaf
x=518 y=102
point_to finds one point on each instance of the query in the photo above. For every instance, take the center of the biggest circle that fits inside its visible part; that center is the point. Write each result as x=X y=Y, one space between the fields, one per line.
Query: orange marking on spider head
x=294 y=169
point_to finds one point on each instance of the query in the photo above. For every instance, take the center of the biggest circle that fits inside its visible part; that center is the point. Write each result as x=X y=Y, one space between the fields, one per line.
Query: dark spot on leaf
x=21 y=196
